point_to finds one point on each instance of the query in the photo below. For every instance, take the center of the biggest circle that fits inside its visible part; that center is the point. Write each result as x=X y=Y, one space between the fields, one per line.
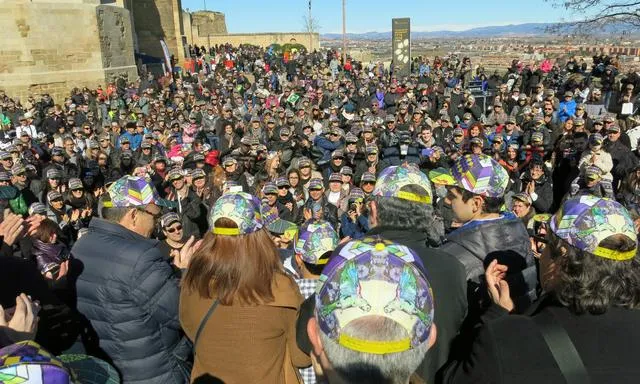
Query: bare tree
x=595 y=15
x=310 y=25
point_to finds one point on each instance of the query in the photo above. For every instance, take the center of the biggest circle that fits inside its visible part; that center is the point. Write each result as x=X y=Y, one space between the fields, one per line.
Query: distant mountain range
x=528 y=29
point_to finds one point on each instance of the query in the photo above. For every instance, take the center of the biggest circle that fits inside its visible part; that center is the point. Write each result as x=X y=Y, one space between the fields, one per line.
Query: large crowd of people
x=292 y=218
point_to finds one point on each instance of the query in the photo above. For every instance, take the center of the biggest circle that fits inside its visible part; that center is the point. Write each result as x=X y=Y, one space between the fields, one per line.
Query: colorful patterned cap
x=133 y=191
x=585 y=221
x=374 y=277
x=240 y=207
x=335 y=177
x=315 y=184
x=169 y=218
x=394 y=180
x=28 y=362
x=53 y=196
x=315 y=239
x=37 y=209
x=270 y=189
x=479 y=174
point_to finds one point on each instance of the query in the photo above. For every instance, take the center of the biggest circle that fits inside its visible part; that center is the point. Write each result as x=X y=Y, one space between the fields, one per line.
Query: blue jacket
x=327 y=147
x=130 y=294
x=355 y=230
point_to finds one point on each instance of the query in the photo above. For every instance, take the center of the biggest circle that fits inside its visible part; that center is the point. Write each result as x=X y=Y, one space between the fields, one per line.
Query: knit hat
x=585 y=221
x=403 y=182
x=315 y=239
x=240 y=207
x=479 y=174
x=374 y=277
x=169 y=218
x=133 y=191
x=75 y=183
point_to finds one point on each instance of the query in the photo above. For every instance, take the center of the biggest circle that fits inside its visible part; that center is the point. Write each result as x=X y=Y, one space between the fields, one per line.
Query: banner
x=167 y=56
x=401 y=40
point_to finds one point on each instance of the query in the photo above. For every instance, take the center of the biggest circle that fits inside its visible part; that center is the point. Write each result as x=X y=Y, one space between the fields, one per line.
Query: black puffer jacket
x=477 y=243
x=129 y=293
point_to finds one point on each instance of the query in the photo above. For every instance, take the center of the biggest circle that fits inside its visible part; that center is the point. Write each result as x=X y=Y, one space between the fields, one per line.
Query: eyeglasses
x=174 y=229
x=155 y=216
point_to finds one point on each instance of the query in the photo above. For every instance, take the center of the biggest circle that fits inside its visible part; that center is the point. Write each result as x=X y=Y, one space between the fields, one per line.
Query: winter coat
x=511 y=348
x=129 y=293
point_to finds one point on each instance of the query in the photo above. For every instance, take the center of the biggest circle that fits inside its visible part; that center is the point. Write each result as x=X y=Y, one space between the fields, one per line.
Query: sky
x=247 y=16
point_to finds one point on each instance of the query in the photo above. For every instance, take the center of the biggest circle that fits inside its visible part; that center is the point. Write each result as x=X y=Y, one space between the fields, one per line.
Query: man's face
x=174 y=232
x=613 y=136
x=368 y=186
x=271 y=198
x=68 y=145
x=520 y=208
x=462 y=211
x=537 y=172
x=334 y=186
x=315 y=194
x=146 y=222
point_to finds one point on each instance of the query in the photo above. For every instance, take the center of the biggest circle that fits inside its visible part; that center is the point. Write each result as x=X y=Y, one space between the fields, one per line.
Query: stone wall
x=157 y=20
x=55 y=45
x=260 y=39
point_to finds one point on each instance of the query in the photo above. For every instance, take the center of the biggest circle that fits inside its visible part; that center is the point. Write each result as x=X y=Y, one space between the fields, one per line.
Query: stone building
x=54 y=45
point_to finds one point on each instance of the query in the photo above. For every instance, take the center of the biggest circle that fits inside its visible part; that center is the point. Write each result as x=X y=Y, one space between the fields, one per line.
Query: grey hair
x=411 y=216
x=359 y=367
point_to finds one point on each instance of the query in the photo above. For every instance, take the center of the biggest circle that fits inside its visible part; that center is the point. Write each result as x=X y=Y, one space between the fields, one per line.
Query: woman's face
x=228 y=129
x=520 y=208
x=54 y=183
x=199 y=182
x=474 y=131
x=511 y=153
x=174 y=232
x=294 y=179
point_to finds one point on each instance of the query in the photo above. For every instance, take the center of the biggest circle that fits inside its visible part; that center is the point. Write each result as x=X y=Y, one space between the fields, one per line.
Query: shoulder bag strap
x=204 y=321
x=562 y=349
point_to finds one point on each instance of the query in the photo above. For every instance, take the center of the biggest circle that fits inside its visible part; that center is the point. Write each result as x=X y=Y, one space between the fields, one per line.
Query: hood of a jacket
x=482 y=239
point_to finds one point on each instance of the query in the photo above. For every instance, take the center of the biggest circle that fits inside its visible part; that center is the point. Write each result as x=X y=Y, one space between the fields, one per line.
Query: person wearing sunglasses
x=171 y=226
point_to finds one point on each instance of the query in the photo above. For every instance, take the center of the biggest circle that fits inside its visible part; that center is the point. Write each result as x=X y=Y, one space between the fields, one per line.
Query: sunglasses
x=174 y=229
x=283 y=187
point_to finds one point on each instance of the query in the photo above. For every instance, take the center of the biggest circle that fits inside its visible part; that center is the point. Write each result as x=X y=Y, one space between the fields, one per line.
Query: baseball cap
x=479 y=174
x=304 y=162
x=53 y=195
x=75 y=183
x=371 y=149
x=315 y=239
x=37 y=209
x=241 y=208
x=403 y=182
x=315 y=184
x=613 y=128
x=337 y=153
x=18 y=168
x=270 y=188
x=458 y=132
x=169 y=218
x=335 y=177
x=596 y=139
x=133 y=191
x=475 y=141
x=124 y=139
x=592 y=172
x=56 y=151
x=347 y=171
x=282 y=182
x=537 y=137
x=350 y=289
x=585 y=221
x=368 y=177
x=524 y=197
x=198 y=173
x=228 y=161
x=175 y=174
x=53 y=173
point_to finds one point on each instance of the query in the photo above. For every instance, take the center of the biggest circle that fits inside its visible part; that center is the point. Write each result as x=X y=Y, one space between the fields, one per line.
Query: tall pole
x=310 y=22
x=205 y=5
x=344 y=31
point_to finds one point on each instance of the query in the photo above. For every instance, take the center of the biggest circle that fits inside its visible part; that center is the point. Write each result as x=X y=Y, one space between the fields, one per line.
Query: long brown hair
x=232 y=268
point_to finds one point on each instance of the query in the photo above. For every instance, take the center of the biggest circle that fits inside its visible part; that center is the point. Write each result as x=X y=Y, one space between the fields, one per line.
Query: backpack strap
x=562 y=348
x=203 y=322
